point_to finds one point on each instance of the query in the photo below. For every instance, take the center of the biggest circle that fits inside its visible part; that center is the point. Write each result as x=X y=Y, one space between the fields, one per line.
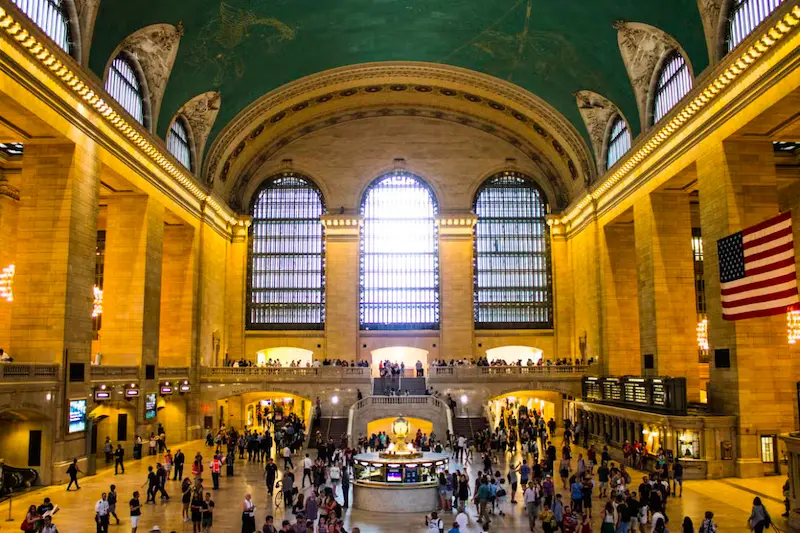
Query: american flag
x=757 y=271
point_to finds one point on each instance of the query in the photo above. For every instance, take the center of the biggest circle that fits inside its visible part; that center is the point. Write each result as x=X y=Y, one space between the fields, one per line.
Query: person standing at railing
x=5 y=357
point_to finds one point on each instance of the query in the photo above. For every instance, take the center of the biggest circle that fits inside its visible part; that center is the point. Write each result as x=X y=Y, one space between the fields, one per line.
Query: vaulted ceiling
x=245 y=48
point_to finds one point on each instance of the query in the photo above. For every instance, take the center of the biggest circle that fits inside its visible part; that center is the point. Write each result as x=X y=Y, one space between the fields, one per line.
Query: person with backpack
x=708 y=525
x=759 y=517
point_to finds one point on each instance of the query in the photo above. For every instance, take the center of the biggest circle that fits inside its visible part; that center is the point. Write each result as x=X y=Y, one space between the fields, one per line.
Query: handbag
x=26 y=526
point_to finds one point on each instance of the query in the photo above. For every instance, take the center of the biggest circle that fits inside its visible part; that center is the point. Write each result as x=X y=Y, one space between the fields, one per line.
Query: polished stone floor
x=729 y=499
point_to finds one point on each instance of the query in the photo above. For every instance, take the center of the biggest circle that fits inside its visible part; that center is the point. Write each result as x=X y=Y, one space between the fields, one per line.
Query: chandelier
x=7 y=283
x=793 y=324
x=97 y=303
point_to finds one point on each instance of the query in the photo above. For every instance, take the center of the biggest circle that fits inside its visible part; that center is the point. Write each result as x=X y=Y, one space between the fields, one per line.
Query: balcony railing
x=512 y=371
x=28 y=372
x=104 y=372
x=255 y=373
x=173 y=372
x=399 y=400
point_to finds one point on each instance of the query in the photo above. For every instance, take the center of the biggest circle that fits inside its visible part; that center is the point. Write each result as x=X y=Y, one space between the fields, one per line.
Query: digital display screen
x=149 y=406
x=394 y=475
x=412 y=474
x=77 y=416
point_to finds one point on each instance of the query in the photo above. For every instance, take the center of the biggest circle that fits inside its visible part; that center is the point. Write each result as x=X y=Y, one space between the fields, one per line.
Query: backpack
x=337 y=510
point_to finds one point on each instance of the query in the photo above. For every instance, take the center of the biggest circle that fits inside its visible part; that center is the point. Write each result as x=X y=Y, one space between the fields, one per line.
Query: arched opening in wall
x=512 y=355
x=26 y=444
x=262 y=410
x=405 y=355
x=415 y=425
x=512 y=405
x=115 y=422
x=285 y=357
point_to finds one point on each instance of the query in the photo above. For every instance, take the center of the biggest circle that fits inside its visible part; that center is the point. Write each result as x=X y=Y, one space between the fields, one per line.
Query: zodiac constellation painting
x=222 y=38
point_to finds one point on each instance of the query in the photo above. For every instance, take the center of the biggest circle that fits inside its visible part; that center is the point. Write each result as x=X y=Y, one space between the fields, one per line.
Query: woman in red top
x=569 y=523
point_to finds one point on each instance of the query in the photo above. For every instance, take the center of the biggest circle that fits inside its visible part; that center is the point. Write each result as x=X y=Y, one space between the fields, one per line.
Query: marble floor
x=729 y=499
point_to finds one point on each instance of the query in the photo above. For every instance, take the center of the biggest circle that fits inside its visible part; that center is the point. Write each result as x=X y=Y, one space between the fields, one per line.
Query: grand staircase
x=333 y=428
x=414 y=386
x=469 y=426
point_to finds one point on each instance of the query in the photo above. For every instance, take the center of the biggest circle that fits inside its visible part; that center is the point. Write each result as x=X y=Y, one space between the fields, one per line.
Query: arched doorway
x=406 y=355
x=547 y=403
x=285 y=357
x=511 y=355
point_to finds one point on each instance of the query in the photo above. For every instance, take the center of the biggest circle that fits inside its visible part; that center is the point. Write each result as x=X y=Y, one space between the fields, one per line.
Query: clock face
x=400 y=427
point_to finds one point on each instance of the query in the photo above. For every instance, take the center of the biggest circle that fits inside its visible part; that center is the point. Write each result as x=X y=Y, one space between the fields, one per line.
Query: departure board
x=663 y=395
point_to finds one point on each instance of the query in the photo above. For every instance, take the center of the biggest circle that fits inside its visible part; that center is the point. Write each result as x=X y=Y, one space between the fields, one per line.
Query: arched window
x=674 y=81
x=123 y=85
x=51 y=17
x=619 y=141
x=286 y=281
x=178 y=142
x=744 y=16
x=399 y=254
x=512 y=255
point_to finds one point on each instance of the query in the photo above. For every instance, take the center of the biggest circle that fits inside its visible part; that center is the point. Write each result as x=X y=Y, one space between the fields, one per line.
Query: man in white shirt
x=530 y=498
x=462 y=443
x=419 y=369
x=307 y=464
x=287 y=457
x=101 y=514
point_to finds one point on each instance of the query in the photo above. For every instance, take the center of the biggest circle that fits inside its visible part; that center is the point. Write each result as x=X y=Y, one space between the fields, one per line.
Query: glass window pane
x=178 y=143
x=286 y=288
x=674 y=82
x=123 y=85
x=619 y=141
x=399 y=255
x=745 y=16
x=50 y=16
x=512 y=285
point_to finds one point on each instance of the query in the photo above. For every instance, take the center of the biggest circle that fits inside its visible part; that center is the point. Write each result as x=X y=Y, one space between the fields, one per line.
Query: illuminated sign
x=149 y=406
x=166 y=390
x=102 y=395
x=77 y=416
x=186 y=388
x=131 y=393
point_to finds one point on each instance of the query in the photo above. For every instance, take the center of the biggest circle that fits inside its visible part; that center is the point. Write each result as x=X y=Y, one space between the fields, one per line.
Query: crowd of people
x=277 y=363
x=483 y=361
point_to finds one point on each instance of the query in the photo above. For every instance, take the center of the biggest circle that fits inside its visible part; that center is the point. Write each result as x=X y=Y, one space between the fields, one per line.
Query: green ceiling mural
x=246 y=48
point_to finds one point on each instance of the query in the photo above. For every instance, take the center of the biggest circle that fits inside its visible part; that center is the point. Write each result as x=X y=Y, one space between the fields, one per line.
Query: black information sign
x=663 y=395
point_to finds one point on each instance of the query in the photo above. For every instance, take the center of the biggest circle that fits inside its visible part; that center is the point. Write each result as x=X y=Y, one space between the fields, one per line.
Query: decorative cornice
x=458 y=225
x=780 y=24
x=18 y=28
x=558 y=191
x=371 y=74
x=342 y=225
x=9 y=191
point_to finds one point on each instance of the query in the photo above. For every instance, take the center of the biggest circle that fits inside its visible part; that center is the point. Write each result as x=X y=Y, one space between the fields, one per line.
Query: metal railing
x=113 y=372
x=29 y=372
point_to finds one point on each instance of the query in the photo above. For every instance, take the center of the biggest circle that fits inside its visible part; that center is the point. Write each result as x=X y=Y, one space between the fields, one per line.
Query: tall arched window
x=619 y=141
x=399 y=254
x=674 y=81
x=744 y=16
x=178 y=142
x=51 y=17
x=123 y=85
x=512 y=255
x=286 y=281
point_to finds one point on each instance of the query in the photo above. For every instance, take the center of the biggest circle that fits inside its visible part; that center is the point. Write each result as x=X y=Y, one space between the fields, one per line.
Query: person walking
x=287 y=457
x=186 y=498
x=177 y=465
x=108 y=449
x=208 y=513
x=512 y=481
x=759 y=517
x=136 y=511
x=161 y=476
x=152 y=485
x=307 y=464
x=73 y=472
x=119 y=455
x=270 y=472
x=101 y=514
x=346 y=487
x=530 y=499
x=112 y=503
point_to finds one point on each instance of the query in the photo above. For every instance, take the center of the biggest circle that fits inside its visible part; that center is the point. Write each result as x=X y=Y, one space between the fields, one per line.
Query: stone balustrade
x=287 y=374
x=399 y=400
x=111 y=373
x=14 y=372
x=173 y=372
x=511 y=372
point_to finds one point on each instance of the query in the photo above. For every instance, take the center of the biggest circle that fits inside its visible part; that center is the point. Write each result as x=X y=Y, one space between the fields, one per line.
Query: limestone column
x=56 y=239
x=456 y=270
x=737 y=190
x=563 y=294
x=620 y=303
x=132 y=281
x=177 y=311
x=341 y=285
x=236 y=289
x=9 y=211
x=667 y=307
